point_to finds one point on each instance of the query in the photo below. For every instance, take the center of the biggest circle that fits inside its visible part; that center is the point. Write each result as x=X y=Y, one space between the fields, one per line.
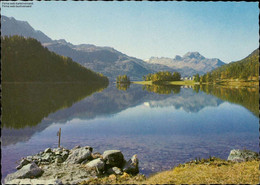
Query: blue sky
x=224 y=30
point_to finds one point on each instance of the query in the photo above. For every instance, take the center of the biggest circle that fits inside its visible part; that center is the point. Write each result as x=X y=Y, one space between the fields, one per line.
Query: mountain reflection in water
x=163 y=125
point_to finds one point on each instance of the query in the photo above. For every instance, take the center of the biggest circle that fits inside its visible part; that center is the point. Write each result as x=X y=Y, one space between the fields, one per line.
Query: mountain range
x=109 y=61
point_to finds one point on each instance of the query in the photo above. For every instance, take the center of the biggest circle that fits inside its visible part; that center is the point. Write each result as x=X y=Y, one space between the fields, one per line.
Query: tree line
x=122 y=79
x=26 y=60
x=162 y=76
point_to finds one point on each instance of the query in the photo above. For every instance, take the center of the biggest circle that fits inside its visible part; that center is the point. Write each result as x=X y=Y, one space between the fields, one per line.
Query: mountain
x=191 y=62
x=10 y=26
x=109 y=61
x=26 y=60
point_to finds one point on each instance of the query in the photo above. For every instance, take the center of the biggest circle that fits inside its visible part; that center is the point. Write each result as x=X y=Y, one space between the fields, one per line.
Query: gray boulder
x=78 y=155
x=131 y=166
x=46 y=157
x=22 y=163
x=28 y=171
x=47 y=150
x=97 y=164
x=64 y=155
x=114 y=170
x=242 y=155
x=113 y=158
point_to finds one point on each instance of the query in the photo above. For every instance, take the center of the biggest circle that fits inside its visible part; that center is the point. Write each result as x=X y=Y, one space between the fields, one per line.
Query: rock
x=28 y=171
x=22 y=163
x=46 y=157
x=76 y=147
x=115 y=170
x=29 y=158
x=47 y=150
x=89 y=147
x=114 y=158
x=242 y=155
x=78 y=155
x=96 y=163
x=131 y=166
x=64 y=155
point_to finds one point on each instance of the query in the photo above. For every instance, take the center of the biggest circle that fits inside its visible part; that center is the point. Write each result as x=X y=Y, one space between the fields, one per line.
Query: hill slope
x=26 y=60
x=246 y=68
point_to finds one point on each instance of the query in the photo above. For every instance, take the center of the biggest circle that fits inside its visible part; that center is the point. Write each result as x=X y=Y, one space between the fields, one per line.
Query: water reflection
x=162 y=89
x=36 y=105
x=123 y=86
x=163 y=125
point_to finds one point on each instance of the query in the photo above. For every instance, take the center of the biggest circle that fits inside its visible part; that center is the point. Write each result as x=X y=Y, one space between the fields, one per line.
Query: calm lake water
x=164 y=126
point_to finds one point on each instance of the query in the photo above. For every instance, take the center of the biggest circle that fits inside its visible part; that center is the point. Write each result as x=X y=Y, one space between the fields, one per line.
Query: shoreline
x=81 y=166
x=190 y=82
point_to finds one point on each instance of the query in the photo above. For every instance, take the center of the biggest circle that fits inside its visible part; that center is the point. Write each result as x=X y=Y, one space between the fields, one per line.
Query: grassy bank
x=205 y=171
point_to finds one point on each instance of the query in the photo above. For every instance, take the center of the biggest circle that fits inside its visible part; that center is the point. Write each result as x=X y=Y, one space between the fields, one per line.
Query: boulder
x=64 y=155
x=22 y=163
x=242 y=155
x=47 y=150
x=28 y=171
x=89 y=147
x=78 y=155
x=96 y=163
x=46 y=157
x=114 y=170
x=113 y=158
x=131 y=166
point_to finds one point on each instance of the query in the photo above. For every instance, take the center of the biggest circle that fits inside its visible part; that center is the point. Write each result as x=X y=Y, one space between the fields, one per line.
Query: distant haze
x=224 y=30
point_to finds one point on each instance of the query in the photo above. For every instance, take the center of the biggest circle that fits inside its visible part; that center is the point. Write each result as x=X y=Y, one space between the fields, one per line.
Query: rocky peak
x=195 y=55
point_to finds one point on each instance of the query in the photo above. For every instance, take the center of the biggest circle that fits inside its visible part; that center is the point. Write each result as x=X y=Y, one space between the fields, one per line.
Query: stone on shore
x=22 y=163
x=114 y=170
x=63 y=166
x=96 y=163
x=78 y=155
x=131 y=166
x=28 y=171
x=242 y=155
x=113 y=158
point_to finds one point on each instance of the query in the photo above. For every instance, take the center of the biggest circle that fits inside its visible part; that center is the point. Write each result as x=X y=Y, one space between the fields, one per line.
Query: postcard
x=129 y=92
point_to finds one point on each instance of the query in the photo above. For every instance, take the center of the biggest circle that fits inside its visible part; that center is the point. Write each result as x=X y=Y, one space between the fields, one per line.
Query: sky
x=225 y=30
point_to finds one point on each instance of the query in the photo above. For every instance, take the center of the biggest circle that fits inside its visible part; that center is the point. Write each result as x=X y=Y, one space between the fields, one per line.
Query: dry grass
x=216 y=172
x=206 y=171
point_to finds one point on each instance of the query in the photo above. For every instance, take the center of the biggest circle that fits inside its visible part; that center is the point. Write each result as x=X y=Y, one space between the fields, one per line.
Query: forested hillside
x=246 y=69
x=26 y=60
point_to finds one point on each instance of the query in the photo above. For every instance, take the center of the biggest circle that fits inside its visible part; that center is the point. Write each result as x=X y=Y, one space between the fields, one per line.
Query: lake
x=163 y=125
